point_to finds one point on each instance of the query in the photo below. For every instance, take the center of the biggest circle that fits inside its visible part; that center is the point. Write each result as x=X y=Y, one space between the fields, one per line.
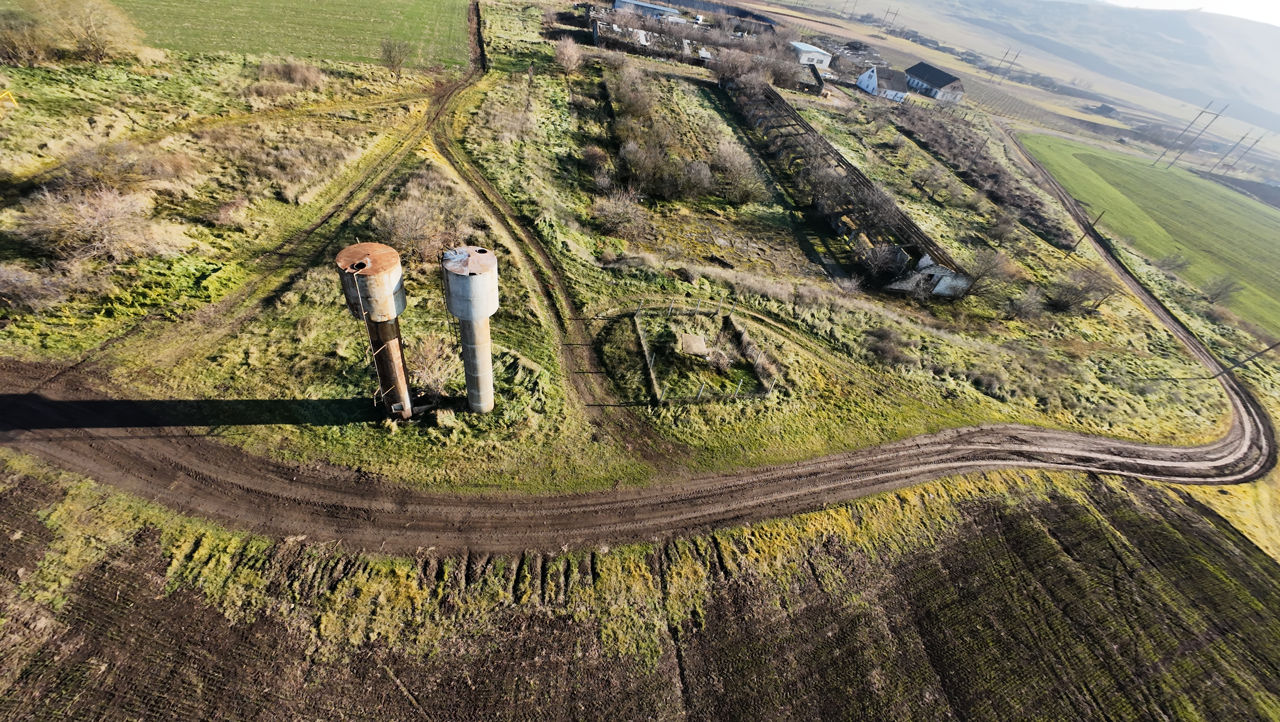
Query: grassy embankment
x=996 y=595
x=1161 y=212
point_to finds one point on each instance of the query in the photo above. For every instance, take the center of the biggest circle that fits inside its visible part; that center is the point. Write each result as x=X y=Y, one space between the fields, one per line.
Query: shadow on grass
x=35 y=411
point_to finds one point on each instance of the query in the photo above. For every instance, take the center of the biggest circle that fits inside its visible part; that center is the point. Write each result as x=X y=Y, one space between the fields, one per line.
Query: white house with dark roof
x=935 y=83
x=885 y=83
x=808 y=54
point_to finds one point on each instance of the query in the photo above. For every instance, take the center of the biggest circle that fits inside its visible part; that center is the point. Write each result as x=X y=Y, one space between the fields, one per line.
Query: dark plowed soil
x=1135 y=605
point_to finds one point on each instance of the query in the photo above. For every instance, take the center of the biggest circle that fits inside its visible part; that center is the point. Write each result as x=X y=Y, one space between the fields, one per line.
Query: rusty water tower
x=471 y=292
x=373 y=283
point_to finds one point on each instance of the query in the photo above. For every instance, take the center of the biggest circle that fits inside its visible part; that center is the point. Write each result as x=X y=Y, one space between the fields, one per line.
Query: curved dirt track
x=68 y=425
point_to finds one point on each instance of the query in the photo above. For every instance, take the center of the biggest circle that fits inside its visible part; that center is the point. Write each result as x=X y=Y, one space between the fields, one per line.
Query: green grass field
x=350 y=30
x=1162 y=212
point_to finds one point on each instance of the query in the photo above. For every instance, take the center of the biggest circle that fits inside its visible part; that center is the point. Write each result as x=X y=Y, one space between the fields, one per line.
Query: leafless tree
x=23 y=41
x=395 y=53
x=989 y=269
x=1222 y=289
x=96 y=30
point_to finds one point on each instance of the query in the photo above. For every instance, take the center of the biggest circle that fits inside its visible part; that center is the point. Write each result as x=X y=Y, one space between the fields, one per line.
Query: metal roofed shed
x=643 y=8
x=808 y=54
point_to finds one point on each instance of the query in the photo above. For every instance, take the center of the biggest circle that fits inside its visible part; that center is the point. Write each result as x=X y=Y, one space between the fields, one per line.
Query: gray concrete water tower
x=471 y=292
x=373 y=284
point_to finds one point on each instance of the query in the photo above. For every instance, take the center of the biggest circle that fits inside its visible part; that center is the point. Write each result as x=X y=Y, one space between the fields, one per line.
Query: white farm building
x=808 y=54
x=885 y=83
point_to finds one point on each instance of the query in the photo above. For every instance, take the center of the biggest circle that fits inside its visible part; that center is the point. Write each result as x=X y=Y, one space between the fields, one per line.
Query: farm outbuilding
x=885 y=83
x=808 y=54
x=935 y=83
x=643 y=8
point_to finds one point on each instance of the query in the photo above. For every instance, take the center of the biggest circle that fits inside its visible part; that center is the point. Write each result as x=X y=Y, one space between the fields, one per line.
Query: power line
x=1188 y=146
x=1230 y=150
x=1246 y=152
x=1193 y=121
x=1009 y=68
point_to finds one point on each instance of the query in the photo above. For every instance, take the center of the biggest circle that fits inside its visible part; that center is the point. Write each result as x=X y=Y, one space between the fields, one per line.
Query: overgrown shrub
x=889 y=347
x=296 y=73
x=87 y=224
x=432 y=362
x=93 y=30
x=739 y=180
x=430 y=215
x=619 y=214
x=23 y=40
x=29 y=291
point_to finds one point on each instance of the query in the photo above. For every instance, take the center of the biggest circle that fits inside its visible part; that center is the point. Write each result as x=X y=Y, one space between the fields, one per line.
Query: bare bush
x=594 y=158
x=29 y=291
x=294 y=72
x=270 y=89
x=889 y=347
x=229 y=214
x=1083 y=289
x=101 y=223
x=620 y=215
x=1222 y=289
x=395 y=53
x=23 y=40
x=432 y=362
x=568 y=54
x=430 y=215
x=95 y=30
x=1026 y=306
x=696 y=181
x=1172 y=263
x=739 y=181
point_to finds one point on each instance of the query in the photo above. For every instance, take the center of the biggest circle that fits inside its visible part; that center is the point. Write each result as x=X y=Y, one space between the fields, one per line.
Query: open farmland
x=1162 y=212
x=333 y=29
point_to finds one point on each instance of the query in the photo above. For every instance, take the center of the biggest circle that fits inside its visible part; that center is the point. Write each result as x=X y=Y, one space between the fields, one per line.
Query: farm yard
x=1167 y=213
x=727 y=475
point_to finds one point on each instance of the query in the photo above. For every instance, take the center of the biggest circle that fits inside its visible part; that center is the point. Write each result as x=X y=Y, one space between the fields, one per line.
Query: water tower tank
x=471 y=293
x=372 y=281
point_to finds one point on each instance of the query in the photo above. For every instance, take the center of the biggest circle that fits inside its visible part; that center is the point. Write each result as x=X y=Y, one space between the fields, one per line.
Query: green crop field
x=1162 y=212
x=331 y=29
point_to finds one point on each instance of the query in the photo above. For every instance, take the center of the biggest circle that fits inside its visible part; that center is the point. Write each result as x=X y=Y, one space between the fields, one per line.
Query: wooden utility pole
x=1086 y=230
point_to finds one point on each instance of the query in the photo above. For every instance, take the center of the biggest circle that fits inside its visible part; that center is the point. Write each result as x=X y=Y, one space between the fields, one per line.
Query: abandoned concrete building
x=643 y=8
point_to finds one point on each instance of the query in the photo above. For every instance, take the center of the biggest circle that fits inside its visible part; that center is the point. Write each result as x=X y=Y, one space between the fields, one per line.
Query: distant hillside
x=1189 y=55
